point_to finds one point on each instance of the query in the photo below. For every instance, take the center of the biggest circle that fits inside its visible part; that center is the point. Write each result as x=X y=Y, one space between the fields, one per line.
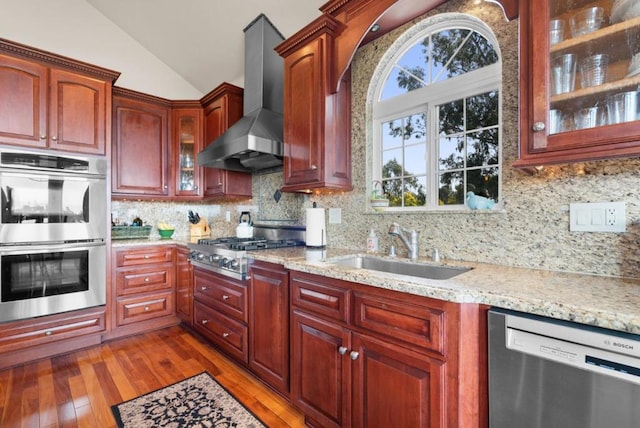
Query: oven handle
x=21 y=248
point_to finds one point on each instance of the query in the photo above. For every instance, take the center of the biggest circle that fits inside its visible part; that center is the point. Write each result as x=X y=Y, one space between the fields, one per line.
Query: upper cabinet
x=223 y=108
x=53 y=102
x=580 y=71
x=317 y=137
x=140 y=153
x=185 y=144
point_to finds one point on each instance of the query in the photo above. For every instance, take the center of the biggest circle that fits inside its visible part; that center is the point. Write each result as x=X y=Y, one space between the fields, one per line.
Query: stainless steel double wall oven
x=53 y=228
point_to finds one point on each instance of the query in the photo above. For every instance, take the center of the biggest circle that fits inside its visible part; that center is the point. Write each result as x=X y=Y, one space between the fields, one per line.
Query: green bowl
x=165 y=233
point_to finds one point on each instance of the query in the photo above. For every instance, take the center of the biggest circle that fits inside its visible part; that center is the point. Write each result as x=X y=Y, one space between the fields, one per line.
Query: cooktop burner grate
x=257 y=243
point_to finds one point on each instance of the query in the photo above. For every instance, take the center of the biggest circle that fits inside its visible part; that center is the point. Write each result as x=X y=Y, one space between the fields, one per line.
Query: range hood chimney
x=255 y=141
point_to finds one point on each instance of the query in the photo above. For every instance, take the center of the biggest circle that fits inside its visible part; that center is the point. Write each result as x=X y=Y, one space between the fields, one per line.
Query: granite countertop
x=602 y=301
x=151 y=240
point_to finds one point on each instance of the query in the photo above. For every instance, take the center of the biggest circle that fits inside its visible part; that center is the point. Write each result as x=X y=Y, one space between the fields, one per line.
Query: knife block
x=201 y=229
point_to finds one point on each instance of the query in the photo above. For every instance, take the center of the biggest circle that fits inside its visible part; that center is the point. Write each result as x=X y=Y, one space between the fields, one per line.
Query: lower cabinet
x=221 y=312
x=184 y=286
x=367 y=357
x=269 y=324
x=36 y=338
x=248 y=319
x=144 y=280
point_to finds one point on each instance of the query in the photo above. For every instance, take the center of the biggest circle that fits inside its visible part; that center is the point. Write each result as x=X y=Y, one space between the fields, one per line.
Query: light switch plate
x=335 y=215
x=598 y=217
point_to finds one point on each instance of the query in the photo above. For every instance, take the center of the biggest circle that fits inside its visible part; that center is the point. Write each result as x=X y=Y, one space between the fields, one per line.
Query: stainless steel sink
x=400 y=267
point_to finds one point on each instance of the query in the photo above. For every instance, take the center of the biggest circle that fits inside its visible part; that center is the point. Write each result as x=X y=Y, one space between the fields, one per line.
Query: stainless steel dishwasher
x=546 y=373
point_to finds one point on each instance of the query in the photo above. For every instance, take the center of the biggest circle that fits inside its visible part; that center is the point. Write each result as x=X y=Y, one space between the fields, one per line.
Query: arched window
x=436 y=115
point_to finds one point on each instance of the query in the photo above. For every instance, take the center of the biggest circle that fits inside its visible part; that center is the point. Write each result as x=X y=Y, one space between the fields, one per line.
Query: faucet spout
x=408 y=237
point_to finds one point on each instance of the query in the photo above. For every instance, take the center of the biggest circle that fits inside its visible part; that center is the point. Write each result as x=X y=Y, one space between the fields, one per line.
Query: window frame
x=426 y=99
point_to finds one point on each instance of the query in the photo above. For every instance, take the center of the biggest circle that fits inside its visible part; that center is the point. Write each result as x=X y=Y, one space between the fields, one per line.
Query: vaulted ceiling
x=203 y=40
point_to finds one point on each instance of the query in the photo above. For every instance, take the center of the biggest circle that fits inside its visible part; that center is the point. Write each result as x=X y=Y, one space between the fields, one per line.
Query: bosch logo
x=622 y=345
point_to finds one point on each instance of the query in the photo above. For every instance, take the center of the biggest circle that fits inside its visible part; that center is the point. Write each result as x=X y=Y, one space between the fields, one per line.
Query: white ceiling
x=203 y=40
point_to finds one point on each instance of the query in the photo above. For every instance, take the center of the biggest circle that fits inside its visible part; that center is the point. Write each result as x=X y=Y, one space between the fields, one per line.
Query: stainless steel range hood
x=255 y=141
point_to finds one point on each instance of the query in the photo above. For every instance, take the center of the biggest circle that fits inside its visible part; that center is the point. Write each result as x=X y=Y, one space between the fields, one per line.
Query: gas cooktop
x=228 y=255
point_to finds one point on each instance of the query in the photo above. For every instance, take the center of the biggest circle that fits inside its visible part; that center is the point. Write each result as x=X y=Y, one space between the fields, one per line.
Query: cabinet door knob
x=203 y=288
x=195 y=187
x=146 y=308
x=146 y=279
x=43 y=137
x=147 y=256
x=354 y=355
x=314 y=167
x=342 y=350
x=225 y=297
x=538 y=126
x=225 y=335
x=54 y=138
x=165 y=187
x=204 y=322
x=48 y=333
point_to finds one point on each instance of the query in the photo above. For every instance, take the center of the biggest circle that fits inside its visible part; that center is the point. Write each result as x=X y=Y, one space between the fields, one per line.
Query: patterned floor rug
x=196 y=402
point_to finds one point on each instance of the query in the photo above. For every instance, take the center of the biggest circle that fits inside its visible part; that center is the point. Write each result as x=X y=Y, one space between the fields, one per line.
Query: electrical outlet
x=611 y=216
x=597 y=217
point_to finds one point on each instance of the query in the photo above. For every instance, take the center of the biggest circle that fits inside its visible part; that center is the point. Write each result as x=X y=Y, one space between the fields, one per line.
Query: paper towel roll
x=316 y=235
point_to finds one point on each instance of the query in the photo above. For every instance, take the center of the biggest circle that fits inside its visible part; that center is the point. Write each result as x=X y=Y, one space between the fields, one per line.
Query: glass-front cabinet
x=187 y=123
x=580 y=77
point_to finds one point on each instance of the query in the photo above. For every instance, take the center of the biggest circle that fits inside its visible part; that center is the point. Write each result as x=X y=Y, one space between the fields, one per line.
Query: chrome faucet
x=411 y=243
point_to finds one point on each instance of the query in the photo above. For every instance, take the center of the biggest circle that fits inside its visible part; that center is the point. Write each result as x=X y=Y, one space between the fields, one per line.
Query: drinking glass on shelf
x=586 y=21
x=563 y=73
x=623 y=107
x=593 y=70
x=556 y=31
x=590 y=117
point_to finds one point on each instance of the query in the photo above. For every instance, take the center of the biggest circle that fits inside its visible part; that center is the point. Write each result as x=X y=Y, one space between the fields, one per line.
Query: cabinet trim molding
x=32 y=53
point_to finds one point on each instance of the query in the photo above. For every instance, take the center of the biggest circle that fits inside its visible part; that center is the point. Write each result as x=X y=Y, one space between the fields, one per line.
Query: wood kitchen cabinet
x=184 y=286
x=222 y=108
x=32 y=339
x=269 y=324
x=367 y=357
x=186 y=143
x=144 y=297
x=140 y=152
x=317 y=137
x=555 y=125
x=52 y=102
x=221 y=313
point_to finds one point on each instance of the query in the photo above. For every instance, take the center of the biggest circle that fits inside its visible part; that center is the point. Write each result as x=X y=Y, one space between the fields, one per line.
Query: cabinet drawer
x=130 y=310
x=144 y=255
x=226 y=295
x=325 y=298
x=44 y=330
x=417 y=325
x=143 y=279
x=230 y=335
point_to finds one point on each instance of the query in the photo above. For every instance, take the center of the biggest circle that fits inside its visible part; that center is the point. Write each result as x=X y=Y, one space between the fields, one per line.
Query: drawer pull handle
x=225 y=297
x=354 y=355
x=147 y=256
x=48 y=333
x=225 y=335
x=204 y=322
x=146 y=279
x=146 y=308
x=203 y=288
x=342 y=350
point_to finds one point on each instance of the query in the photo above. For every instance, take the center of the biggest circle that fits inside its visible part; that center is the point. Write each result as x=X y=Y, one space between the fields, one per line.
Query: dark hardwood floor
x=78 y=389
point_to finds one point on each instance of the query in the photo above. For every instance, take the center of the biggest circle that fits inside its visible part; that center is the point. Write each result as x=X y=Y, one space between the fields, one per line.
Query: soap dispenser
x=372 y=242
